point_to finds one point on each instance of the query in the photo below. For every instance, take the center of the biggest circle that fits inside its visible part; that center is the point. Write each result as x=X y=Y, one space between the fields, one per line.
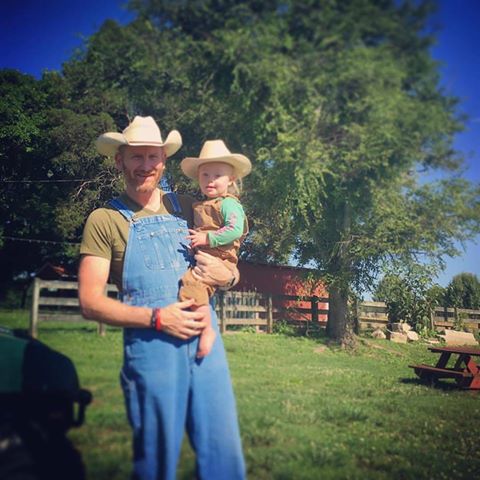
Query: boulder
x=454 y=337
x=378 y=333
x=412 y=336
x=406 y=327
x=397 y=337
x=401 y=327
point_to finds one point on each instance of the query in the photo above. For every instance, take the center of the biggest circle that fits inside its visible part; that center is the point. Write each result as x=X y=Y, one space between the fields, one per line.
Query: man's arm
x=96 y=305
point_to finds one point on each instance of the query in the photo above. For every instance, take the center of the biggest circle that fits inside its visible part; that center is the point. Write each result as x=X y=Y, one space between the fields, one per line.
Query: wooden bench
x=466 y=371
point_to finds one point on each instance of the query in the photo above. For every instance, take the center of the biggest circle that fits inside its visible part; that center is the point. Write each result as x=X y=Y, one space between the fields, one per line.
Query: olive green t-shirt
x=106 y=231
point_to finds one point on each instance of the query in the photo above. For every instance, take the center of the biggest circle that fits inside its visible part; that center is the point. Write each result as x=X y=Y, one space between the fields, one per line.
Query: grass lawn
x=307 y=410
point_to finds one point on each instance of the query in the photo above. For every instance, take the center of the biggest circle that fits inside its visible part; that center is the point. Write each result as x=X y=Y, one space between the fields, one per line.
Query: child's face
x=215 y=178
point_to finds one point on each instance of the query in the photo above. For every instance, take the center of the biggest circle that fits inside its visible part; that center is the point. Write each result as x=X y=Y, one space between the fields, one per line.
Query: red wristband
x=156 y=321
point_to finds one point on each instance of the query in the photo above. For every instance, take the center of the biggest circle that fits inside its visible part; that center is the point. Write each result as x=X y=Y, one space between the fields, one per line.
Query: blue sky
x=39 y=35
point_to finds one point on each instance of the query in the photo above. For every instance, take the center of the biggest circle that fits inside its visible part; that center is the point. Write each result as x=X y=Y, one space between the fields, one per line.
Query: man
x=139 y=240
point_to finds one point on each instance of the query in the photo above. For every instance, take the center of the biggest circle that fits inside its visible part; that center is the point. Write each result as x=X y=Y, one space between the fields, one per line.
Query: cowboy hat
x=142 y=131
x=216 y=151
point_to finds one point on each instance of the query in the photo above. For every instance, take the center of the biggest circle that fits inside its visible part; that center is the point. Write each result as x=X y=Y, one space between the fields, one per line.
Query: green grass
x=307 y=410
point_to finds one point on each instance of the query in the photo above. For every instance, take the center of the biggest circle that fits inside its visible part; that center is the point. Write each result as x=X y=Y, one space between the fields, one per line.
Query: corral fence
x=58 y=300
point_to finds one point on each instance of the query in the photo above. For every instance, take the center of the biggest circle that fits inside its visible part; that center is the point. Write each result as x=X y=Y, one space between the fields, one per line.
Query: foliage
x=282 y=327
x=463 y=291
x=410 y=297
x=51 y=176
x=340 y=108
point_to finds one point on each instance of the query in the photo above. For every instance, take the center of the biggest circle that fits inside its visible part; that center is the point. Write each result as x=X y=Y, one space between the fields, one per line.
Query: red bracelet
x=156 y=320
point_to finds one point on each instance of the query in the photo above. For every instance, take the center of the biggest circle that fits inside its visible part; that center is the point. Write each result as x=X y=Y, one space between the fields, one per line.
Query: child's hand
x=198 y=239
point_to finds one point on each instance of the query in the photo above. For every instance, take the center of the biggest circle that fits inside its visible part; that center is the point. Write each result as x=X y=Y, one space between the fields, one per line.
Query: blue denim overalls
x=167 y=390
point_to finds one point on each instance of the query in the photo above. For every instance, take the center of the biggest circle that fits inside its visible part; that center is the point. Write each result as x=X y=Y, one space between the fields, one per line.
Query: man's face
x=142 y=167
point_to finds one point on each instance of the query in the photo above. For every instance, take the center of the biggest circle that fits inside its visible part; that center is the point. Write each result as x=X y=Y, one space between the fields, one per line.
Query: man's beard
x=149 y=185
x=146 y=188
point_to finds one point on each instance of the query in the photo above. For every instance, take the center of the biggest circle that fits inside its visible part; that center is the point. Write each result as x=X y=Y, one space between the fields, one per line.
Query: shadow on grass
x=76 y=329
x=440 y=384
x=299 y=329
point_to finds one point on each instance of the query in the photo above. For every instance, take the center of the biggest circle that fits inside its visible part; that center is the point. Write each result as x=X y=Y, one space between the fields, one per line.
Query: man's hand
x=211 y=270
x=179 y=322
x=198 y=239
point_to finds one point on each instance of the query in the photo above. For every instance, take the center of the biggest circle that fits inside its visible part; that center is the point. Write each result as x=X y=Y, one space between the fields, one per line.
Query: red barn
x=282 y=280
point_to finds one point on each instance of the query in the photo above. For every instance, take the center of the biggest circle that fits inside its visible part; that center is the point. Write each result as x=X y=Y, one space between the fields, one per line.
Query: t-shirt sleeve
x=97 y=235
x=233 y=228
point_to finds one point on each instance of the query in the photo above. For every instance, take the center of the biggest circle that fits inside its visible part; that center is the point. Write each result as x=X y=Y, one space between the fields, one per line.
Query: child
x=219 y=221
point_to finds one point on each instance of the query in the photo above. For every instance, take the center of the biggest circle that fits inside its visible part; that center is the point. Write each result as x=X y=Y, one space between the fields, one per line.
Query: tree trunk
x=340 y=324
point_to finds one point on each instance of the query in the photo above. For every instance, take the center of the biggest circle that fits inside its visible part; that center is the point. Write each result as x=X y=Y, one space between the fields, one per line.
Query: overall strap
x=128 y=214
x=122 y=208
x=177 y=209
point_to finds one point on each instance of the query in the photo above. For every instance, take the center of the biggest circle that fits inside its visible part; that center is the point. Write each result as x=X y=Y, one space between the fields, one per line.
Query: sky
x=39 y=35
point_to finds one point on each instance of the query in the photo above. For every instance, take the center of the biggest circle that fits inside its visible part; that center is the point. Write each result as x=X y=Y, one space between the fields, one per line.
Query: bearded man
x=139 y=241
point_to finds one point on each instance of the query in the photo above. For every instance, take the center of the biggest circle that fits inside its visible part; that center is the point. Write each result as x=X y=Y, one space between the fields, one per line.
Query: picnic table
x=466 y=370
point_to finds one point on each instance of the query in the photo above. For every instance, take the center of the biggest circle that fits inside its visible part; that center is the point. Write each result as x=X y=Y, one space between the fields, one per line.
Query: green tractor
x=40 y=400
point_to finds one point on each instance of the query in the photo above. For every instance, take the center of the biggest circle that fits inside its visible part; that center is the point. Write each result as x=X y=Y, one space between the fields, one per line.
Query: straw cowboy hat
x=142 y=131
x=216 y=151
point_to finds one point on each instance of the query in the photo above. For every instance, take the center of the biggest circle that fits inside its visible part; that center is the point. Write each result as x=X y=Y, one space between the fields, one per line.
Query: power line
x=36 y=240
x=51 y=181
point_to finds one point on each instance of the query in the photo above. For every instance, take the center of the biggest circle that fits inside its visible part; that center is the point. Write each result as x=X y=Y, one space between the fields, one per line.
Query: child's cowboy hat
x=216 y=151
x=143 y=131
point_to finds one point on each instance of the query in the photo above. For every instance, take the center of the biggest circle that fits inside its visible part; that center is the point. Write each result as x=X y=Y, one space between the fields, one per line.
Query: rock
x=378 y=333
x=412 y=336
x=454 y=337
x=406 y=327
x=397 y=337
x=401 y=327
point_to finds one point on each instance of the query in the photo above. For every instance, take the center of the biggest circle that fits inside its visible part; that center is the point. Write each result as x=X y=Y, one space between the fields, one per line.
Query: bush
x=409 y=295
x=282 y=327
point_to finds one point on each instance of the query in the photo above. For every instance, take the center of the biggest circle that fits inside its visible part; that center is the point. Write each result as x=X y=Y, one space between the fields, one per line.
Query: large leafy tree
x=340 y=106
x=337 y=103
x=46 y=162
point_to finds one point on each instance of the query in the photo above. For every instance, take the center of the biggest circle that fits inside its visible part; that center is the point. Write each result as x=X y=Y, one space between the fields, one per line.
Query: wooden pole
x=101 y=330
x=222 y=311
x=356 y=319
x=269 y=313
x=432 y=318
x=34 y=310
x=314 y=302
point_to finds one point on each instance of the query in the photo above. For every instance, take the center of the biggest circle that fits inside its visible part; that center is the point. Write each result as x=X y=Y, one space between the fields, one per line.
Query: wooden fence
x=58 y=300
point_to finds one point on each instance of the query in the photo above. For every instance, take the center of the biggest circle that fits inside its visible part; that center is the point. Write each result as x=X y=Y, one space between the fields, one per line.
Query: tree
x=339 y=104
x=47 y=160
x=463 y=291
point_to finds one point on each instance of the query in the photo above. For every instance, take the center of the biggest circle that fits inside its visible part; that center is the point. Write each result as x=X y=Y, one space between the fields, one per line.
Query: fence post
x=221 y=296
x=356 y=318
x=314 y=302
x=101 y=329
x=269 y=313
x=34 y=309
